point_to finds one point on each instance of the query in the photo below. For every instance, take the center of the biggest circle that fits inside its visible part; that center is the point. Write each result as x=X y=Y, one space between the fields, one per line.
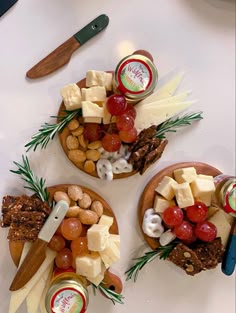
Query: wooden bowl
x=148 y=195
x=16 y=247
x=65 y=132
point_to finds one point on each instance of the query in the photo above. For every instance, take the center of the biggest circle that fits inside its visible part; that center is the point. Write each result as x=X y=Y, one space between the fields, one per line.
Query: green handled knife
x=62 y=54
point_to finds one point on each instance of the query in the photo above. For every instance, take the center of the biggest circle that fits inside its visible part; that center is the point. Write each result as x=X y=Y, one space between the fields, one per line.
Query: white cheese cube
x=160 y=204
x=115 y=239
x=91 y=109
x=166 y=187
x=203 y=190
x=107 y=117
x=99 y=278
x=97 y=236
x=222 y=225
x=94 y=94
x=99 y=78
x=71 y=96
x=106 y=220
x=110 y=254
x=88 y=265
x=183 y=195
x=96 y=120
x=185 y=175
x=209 y=177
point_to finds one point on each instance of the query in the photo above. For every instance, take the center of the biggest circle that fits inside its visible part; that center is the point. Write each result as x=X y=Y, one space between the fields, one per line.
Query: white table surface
x=195 y=36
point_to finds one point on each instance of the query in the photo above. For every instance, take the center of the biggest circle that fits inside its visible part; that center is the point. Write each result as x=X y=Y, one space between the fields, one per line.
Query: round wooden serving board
x=148 y=195
x=16 y=247
x=65 y=132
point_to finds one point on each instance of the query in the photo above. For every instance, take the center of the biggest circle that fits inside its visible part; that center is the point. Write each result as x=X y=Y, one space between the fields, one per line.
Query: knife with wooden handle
x=36 y=254
x=61 y=55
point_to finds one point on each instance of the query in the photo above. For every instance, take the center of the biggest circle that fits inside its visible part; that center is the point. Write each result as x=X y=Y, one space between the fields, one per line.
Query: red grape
x=92 y=131
x=197 y=212
x=128 y=136
x=64 y=259
x=71 y=228
x=130 y=110
x=57 y=243
x=205 y=231
x=116 y=104
x=111 y=142
x=124 y=122
x=79 y=246
x=173 y=216
x=184 y=231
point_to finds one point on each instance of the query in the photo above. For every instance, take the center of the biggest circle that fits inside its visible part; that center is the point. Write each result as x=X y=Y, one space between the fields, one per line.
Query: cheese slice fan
x=62 y=54
x=37 y=252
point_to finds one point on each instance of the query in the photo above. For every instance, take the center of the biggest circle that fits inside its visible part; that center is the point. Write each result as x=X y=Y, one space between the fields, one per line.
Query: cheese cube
x=99 y=278
x=166 y=187
x=185 y=175
x=115 y=239
x=94 y=94
x=88 y=265
x=209 y=177
x=222 y=225
x=96 y=120
x=160 y=204
x=110 y=254
x=71 y=96
x=183 y=195
x=106 y=220
x=99 y=78
x=203 y=190
x=91 y=109
x=107 y=117
x=97 y=236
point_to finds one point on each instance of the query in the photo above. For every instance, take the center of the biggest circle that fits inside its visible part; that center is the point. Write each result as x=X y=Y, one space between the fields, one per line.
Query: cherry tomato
x=197 y=212
x=184 y=231
x=173 y=216
x=205 y=231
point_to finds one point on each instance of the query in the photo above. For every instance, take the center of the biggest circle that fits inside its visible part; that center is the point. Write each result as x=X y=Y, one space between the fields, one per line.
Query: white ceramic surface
x=196 y=36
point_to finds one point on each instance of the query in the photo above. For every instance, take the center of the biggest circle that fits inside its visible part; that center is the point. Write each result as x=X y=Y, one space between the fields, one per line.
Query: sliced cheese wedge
x=167 y=90
x=18 y=296
x=156 y=115
x=222 y=225
x=33 y=298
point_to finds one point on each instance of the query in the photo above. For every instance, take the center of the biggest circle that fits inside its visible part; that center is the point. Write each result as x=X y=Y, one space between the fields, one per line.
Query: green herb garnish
x=110 y=294
x=172 y=124
x=35 y=184
x=161 y=252
x=48 y=131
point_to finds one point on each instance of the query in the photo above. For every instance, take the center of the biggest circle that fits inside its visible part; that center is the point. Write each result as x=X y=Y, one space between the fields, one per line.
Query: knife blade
x=36 y=254
x=5 y=5
x=62 y=54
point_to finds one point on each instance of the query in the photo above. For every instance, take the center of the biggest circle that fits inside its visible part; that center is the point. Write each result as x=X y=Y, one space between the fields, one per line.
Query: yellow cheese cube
x=110 y=254
x=99 y=78
x=203 y=190
x=99 y=278
x=183 y=195
x=97 y=236
x=115 y=239
x=91 y=109
x=160 y=204
x=106 y=220
x=94 y=94
x=185 y=175
x=222 y=225
x=71 y=96
x=96 y=120
x=88 y=265
x=166 y=187
x=209 y=177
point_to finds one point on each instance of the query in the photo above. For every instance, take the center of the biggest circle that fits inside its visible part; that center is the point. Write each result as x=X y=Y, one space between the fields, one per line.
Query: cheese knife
x=6 y=5
x=37 y=252
x=229 y=259
x=62 y=54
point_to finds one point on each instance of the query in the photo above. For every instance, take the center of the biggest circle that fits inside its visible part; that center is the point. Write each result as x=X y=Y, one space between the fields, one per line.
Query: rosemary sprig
x=172 y=124
x=161 y=252
x=35 y=184
x=110 y=294
x=48 y=131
